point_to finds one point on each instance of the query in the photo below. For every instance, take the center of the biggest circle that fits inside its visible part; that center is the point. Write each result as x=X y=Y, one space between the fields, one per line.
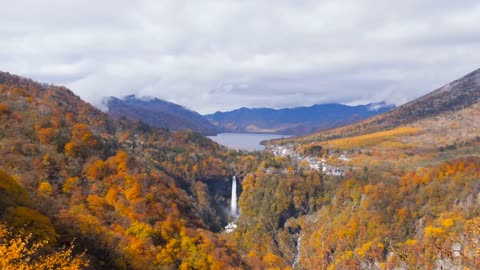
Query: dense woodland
x=80 y=190
x=129 y=195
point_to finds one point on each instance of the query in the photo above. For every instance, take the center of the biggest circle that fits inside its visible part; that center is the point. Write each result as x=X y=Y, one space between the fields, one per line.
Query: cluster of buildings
x=314 y=163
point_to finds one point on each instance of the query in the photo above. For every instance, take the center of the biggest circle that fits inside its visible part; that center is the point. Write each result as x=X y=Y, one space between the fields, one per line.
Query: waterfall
x=233 y=201
x=232 y=226
x=296 y=260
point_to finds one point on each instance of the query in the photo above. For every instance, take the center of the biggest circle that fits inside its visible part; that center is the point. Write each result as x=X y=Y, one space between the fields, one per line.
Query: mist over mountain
x=294 y=121
x=397 y=189
x=249 y=135
x=454 y=96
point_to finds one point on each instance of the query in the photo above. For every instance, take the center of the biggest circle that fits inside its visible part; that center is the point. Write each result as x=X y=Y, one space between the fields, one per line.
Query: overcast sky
x=221 y=55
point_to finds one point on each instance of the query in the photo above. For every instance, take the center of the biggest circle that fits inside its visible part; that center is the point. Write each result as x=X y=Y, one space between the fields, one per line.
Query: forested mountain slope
x=127 y=193
x=409 y=195
x=452 y=97
x=137 y=197
x=159 y=113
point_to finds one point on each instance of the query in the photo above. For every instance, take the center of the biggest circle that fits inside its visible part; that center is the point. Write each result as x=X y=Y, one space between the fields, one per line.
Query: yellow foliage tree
x=70 y=184
x=21 y=253
x=11 y=192
x=34 y=223
x=45 y=189
x=96 y=170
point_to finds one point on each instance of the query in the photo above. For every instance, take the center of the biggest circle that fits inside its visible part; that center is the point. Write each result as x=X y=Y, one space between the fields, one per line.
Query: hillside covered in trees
x=93 y=192
x=409 y=195
x=455 y=96
x=129 y=194
x=159 y=113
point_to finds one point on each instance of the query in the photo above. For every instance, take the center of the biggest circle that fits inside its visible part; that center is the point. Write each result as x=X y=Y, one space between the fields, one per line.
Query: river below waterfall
x=245 y=141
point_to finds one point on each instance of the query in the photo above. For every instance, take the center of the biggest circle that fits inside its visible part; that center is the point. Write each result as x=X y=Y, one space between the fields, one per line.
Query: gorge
x=135 y=196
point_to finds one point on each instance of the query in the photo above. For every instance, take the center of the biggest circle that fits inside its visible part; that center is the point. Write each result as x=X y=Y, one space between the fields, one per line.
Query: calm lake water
x=244 y=141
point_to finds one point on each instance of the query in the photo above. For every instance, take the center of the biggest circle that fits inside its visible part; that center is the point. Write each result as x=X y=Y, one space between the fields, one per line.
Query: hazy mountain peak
x=378 y=105
x=159 y=113
x=134 y=98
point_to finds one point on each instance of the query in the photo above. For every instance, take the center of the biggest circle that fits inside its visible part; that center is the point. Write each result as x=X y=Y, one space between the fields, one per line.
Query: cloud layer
x=220 y=55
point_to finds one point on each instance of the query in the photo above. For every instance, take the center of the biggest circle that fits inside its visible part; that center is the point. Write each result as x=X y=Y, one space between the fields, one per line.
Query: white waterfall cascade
x=232 y=226
x=296 y=260
x=233 y=201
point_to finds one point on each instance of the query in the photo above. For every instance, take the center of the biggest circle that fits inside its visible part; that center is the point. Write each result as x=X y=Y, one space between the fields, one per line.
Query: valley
x=382 y=193
x=240 y=135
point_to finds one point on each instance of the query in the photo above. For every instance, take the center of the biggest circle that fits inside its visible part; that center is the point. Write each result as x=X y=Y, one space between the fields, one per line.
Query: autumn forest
x=82 y=190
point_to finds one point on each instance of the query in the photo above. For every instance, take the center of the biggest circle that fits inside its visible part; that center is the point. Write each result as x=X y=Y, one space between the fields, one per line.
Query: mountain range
x=294 y=121
x=132 y=196
x=289 y=121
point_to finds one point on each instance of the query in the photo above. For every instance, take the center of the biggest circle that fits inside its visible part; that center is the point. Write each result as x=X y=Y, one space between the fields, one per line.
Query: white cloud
x=219 y=55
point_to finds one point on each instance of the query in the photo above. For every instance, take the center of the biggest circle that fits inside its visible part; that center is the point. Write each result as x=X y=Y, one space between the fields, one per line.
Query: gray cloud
x=220 y=55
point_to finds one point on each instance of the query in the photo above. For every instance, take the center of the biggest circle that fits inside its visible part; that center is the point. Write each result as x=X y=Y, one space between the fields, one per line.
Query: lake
x=245 y=141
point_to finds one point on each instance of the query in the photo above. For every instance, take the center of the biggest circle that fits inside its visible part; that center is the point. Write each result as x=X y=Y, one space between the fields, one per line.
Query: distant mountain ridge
x=288 y=121
x=294 y=121
x=159 y=113
x=452 y=97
